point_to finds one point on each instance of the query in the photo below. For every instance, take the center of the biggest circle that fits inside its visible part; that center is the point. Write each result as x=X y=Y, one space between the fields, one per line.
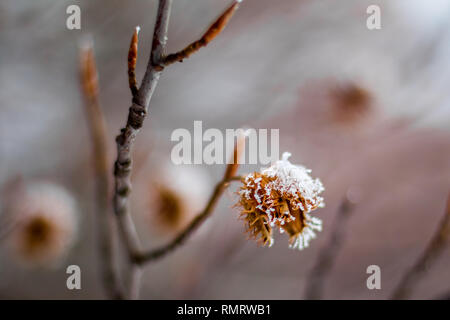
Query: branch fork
x=136 y=116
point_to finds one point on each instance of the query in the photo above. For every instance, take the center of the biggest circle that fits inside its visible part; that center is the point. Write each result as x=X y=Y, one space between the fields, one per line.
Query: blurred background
x=367 y=110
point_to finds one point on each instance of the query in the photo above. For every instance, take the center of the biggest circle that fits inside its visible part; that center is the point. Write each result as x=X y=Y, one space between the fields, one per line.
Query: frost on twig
x=213 y=31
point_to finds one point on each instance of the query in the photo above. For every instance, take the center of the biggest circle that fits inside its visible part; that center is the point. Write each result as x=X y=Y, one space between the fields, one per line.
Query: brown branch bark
x=328 y=254
x=213 y=31
x=97 y=128
x=439 y=241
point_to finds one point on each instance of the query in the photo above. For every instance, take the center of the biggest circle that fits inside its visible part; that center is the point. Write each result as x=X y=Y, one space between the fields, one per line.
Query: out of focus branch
x=328 y=254
x=97 y=128
x=132 y=58
x=135 y=274
x=7 y=228
x=213 y=31
x=440 y=240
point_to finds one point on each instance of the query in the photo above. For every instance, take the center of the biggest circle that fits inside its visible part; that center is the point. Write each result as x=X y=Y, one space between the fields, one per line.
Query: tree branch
x=125 y=140
x=136 y=117
x=440 y=240
x=97 y=128
x=195 y=223
x=213 y=31
x=229 y=175
x=134 y=285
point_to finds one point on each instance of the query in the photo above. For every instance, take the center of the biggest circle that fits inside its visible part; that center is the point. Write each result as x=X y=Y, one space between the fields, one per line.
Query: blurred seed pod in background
x=175 y=196
x=43 y=220
x=281 y=196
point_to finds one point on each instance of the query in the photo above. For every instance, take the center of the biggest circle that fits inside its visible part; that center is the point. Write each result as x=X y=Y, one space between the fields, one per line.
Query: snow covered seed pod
x=282 y=195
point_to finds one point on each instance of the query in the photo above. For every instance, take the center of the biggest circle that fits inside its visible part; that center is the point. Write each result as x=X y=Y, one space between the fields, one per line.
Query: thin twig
x=213 y=31
x=155 y=63
x=329 y=253
x=125 y=140
x=7 y=229
x=236 y=158
x=97 y=128
x=444 y=296
x=136 y=116
x=440 y=240
x=195 y=223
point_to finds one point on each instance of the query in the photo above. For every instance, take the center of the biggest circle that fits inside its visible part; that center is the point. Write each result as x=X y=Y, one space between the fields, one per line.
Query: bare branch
x=329 y=253
x=132 y=58
x=97 y=127
x=134 y=285
x=7 y=227
x=440 y=240
x=213 y=31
